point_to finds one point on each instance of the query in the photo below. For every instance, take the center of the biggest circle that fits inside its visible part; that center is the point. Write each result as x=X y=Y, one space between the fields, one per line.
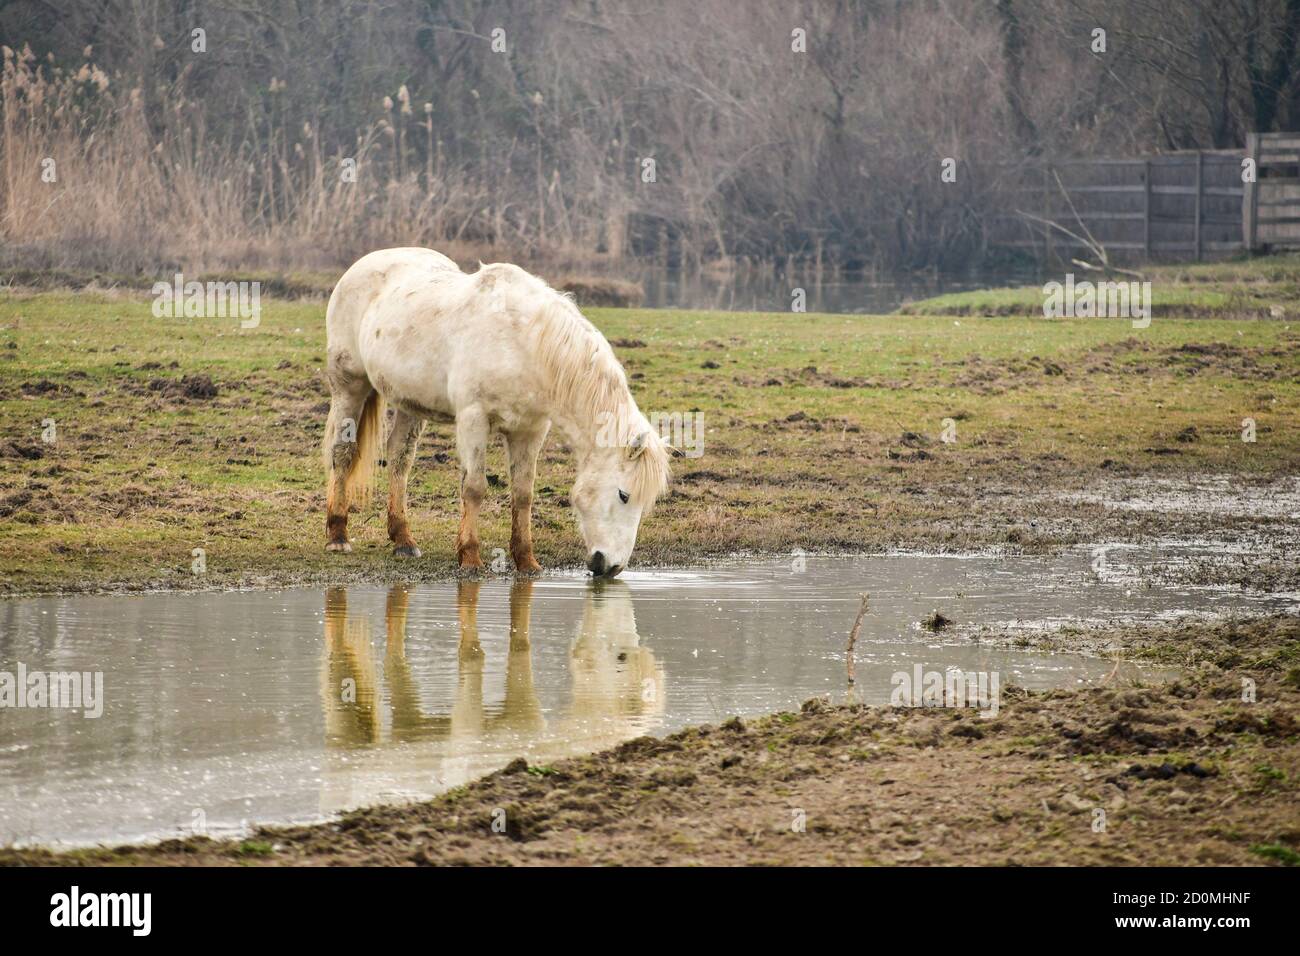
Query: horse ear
x=637 y=445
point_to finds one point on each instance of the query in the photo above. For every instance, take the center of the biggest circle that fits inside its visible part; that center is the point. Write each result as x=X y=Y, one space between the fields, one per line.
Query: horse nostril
x=596 y=564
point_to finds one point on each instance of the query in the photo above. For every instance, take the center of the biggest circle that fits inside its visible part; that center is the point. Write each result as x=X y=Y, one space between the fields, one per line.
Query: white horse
x=496 y=350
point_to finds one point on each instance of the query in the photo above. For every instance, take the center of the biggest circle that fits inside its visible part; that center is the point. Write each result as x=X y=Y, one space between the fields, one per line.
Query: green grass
x=1277 y=853
x=255 y=848
x=1273 y=268
x=804 y=446
x=1165 y=300
x=1240 y=288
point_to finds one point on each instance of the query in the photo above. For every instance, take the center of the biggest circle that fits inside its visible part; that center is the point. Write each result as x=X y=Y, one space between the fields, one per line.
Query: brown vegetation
x=529 y=144
x=598 y=291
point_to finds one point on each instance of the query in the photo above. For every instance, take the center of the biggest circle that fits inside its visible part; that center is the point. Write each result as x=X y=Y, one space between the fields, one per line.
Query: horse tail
x=369 y=438
x=361 y=470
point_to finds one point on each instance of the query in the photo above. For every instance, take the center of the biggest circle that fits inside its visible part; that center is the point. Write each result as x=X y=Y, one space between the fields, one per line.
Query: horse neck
x=581 y=410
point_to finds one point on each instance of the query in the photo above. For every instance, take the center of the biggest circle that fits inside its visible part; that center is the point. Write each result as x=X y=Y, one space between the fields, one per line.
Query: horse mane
x=583 y=376
x=652 y=473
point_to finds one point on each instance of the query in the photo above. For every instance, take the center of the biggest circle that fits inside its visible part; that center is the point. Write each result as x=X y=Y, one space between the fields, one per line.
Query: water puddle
x=221 y=710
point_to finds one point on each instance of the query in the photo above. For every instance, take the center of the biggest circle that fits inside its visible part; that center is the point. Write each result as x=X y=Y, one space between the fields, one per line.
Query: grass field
x=1262 y=287
x=822 y=431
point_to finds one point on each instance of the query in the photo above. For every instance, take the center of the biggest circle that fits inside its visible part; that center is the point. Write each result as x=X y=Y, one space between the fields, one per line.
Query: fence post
x=1250 y=198
x=1200 y=169
x=1047 y=209
x=1146 y=209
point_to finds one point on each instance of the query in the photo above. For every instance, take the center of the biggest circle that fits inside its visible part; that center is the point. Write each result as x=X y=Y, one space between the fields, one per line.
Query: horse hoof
x=341 y=546
x=406 y=551
x=528 y=567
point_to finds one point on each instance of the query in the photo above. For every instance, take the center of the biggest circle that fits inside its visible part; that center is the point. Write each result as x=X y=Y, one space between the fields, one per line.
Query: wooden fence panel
x=1271 y=213
x=1174 y=206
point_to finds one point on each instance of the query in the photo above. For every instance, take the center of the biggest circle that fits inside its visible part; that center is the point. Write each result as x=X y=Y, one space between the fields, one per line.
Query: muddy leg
x=521 y=605
x=467 y=617
x=520 y=711
x=467 y=710
x=345 y=414
x=402 y=442
x=336 y=614
x=395 y=621
x=523 y=448
x=471 y=448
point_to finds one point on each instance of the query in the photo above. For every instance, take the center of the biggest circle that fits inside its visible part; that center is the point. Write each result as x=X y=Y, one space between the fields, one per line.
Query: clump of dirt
x=1192 y=358
x=703 y=474
x=47 y=389
x=918 y=455
x=186 y=388
x=11 y=504
x=915 y=441
x=21 y=451
x=996 y=376
x=811 y=377
x=936 y=622
x=1269 y=643
x=1127 y=357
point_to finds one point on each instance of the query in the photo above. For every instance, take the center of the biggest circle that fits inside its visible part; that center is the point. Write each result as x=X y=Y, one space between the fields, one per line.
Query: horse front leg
x=467 y=709
x=402 y=443
x=523 y=449
x=471 y=448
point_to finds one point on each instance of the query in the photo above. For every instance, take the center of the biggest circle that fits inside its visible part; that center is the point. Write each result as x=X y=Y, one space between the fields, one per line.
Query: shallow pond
x=225 y=709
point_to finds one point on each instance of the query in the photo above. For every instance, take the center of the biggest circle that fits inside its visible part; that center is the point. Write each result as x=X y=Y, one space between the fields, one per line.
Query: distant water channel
x=750 y=291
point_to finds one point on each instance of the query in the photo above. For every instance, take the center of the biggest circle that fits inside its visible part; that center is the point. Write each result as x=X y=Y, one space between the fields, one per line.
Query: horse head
x=616 y=487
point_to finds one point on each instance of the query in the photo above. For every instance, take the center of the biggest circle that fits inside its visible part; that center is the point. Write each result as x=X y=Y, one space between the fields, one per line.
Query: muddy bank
x=1184 y=773
x=1243 y=530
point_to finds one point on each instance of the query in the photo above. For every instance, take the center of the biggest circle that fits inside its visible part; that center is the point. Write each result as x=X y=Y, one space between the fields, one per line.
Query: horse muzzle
x=600 y=567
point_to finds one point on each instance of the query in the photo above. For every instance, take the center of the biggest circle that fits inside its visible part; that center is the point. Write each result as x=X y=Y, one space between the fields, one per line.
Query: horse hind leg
x=341 y=450
x=402 y=443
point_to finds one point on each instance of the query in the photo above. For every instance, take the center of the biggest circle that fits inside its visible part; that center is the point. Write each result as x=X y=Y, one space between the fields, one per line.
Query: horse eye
x=622 y=496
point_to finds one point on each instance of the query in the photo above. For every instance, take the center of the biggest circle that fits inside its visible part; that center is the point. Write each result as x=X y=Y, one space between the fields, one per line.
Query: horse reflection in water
x=617 y=692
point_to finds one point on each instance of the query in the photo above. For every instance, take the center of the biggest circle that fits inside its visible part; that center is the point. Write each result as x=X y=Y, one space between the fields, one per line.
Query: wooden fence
x=1270 y=212
x=1186 y=205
